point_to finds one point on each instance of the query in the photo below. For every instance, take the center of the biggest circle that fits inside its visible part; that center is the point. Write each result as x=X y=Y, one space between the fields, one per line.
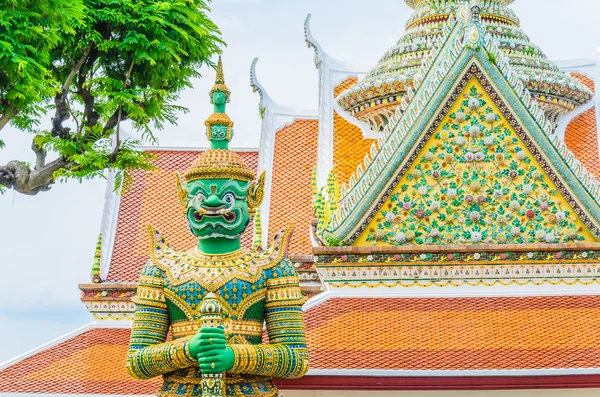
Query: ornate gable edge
x=425 y=106
x=332 y=72
x=274 y=117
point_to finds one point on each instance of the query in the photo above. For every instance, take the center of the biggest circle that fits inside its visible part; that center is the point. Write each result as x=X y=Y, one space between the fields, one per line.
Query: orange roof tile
x=295 y=156
x=455 y=334
x=90 y=363
x=581 y=138
x=153 y=199
x=511 y=333
x=344 y=85
x=349 y=146
x=589 y=83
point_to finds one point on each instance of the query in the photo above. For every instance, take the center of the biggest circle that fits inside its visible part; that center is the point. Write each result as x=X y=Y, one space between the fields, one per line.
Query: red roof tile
x=295 y=156
x=153 y=200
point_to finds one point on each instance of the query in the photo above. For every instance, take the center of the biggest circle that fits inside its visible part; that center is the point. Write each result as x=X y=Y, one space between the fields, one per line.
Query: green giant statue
x=216 y=297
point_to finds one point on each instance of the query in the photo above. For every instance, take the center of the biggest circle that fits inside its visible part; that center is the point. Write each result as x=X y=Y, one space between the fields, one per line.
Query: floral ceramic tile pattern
x=475 y=182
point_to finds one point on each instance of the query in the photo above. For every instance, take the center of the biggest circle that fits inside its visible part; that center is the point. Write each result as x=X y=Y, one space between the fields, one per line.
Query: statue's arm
x=149 y=354
x=286 y=355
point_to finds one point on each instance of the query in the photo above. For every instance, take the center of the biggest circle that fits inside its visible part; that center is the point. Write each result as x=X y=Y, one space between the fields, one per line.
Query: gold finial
x=220 y=82
x=96 y=279
x=220 y=79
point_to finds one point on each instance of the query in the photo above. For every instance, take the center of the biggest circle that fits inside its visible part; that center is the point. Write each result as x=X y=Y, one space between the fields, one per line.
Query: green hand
x=209 y=347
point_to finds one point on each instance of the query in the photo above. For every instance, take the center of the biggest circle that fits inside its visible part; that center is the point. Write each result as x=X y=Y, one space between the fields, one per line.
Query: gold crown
x=220 y=83
x=219 y=164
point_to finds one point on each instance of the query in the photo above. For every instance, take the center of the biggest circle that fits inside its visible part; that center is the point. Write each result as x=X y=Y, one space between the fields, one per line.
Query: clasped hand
x=209 y=347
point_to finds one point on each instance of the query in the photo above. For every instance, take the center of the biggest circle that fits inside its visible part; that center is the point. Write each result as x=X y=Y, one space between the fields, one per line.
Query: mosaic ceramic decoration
x=378 y=96
x=475 y=182
x=472 y=159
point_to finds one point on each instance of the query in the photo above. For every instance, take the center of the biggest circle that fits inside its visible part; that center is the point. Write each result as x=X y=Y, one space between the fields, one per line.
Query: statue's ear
x=182 y=192
x=256 y=193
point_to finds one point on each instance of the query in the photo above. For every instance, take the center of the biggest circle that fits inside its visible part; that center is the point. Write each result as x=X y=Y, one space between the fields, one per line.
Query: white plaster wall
x=484 y=393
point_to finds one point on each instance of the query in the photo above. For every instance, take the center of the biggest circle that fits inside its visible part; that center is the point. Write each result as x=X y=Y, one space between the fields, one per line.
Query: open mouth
x=228 y=214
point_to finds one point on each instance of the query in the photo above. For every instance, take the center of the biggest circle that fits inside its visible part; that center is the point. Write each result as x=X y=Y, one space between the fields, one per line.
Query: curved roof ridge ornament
x=331 y=72
x=257 y=86
x=108 y=224
x=321 y=56
x=273 y=118
x=266 y=100
x=312 y=43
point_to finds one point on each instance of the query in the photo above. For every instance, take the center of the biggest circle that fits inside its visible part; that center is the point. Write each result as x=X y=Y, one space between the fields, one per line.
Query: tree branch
x=62 y=112
x=76 y=69
x=40 y=156
x=17 y=175
x=121 y=107
x=89 y=114
x=7 y=116
x=114 y=120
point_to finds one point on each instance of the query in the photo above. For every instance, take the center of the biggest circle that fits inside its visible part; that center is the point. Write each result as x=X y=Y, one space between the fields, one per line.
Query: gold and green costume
x=252 y=287
x=246 y=289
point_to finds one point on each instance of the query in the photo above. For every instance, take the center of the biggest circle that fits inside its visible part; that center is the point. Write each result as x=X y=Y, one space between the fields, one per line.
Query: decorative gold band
x=232 y=327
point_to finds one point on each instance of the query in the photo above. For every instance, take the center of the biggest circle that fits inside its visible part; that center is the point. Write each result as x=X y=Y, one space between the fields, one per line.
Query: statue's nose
x=212 y=201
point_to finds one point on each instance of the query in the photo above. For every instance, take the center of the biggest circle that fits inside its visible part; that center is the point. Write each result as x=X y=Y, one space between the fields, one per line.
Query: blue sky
x=47 y=242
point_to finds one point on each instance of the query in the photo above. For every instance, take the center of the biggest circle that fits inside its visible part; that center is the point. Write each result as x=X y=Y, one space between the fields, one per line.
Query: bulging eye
x=199 y=198
x=228 y=198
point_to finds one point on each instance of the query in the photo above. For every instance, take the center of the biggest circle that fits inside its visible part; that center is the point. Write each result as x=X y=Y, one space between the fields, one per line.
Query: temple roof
x=377 y=98
x=393 y=338
x=295 y=155
x=92 y=361
x=581 y=135
x=405 y=138
x=455 y=334
x=403 y=337
x=349 y=144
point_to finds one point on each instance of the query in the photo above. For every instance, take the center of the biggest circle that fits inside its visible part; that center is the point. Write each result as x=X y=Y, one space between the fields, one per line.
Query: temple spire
x=377 y=98
x=219 y=127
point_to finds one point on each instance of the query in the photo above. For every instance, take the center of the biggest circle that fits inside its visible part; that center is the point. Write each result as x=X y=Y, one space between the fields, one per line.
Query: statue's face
x=219 y=98
x=217 y=208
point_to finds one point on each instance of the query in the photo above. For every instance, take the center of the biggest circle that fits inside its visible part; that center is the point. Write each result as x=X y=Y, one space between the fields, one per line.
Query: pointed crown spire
x=220 y=83
x=219 y=127
x=219 y=162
